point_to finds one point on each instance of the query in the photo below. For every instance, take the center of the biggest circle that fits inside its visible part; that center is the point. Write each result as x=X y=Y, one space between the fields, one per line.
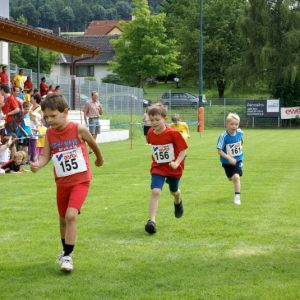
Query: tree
x=143 y=50
x=221 y=33
x=272 y=29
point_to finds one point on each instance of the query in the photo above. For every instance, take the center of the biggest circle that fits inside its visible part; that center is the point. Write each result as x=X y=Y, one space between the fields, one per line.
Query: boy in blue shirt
x=24 y=129
x=229 y=147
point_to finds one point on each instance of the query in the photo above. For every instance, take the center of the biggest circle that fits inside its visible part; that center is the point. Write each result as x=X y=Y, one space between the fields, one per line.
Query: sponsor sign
x=263 y=108
x=290 y=112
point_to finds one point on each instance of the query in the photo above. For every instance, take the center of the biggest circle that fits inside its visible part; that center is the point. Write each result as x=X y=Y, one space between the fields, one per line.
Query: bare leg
x=155 y=193
x=70 y=226
x=176 y=196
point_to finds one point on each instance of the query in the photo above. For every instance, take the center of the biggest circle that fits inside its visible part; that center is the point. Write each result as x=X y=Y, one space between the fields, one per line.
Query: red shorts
x=71 y=196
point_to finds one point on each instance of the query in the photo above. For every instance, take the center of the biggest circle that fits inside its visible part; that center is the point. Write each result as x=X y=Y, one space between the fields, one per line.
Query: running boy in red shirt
x=65 y=145
x=168 y=153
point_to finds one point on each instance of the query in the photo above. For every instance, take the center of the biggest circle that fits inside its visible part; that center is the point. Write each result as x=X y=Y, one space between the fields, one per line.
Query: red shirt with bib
x=165 y=148
x=69 y=155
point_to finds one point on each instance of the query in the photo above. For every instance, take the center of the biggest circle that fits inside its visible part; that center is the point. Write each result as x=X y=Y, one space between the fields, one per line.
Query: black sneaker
x=150 y=227
x=178 y=209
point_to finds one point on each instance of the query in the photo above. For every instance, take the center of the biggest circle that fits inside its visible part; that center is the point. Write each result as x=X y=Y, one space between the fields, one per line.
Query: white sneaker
x=59 y=257
x=66 y=264
x=237 y=199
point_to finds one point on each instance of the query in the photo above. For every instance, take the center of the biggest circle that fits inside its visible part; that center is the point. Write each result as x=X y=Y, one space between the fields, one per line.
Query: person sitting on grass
x=65 y=144
x=229 y=148
x=168 y=153
x=15 y=165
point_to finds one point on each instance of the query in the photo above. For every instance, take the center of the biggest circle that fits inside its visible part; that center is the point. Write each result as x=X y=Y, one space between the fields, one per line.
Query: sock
x=237 y=193
x=68 y=249
x=63 y=242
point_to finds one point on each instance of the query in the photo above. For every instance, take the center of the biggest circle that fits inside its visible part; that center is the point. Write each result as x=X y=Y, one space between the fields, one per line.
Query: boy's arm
x=174 y=164
x=231 y=160
x=42 y=159
x=22 y=129
x=87 y=137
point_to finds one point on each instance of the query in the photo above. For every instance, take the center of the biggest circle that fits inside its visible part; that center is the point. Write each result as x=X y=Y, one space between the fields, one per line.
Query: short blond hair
x=20 y=154
x=231 y=116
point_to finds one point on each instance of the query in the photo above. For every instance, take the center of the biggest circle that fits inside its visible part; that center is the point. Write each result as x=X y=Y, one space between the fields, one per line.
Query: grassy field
x=215 y=251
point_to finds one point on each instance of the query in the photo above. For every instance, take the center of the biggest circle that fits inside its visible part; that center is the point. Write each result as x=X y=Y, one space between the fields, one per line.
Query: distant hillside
x=72 y=15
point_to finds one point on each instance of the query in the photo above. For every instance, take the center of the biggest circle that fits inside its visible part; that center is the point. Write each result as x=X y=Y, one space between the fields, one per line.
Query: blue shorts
x=230 y=170
x=94 y=126
x=157 y=182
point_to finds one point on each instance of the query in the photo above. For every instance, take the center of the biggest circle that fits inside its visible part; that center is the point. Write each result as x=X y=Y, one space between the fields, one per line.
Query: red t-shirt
x=28 y=85
x=10 y=103
x=167 y=137
x=67 y=139
x=4 y=78
x=43 y=89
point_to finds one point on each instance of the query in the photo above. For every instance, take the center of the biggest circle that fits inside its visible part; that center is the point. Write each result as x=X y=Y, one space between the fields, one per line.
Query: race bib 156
x=163 y=153
x=69 y=162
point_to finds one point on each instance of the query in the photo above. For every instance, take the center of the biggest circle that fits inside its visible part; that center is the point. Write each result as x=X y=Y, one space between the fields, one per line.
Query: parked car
x=180 y=99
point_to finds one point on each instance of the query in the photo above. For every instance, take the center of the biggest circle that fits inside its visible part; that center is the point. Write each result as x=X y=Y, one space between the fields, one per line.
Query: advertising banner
x=290 y=112
x=263 y=108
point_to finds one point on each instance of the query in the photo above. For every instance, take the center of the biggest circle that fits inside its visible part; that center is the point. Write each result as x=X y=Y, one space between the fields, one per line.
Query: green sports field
x=215 y=251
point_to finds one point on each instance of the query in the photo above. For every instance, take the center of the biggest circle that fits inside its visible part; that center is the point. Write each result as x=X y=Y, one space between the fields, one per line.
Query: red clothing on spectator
x=10 y=103
x=4 y=78
x=43 y=89
x=28 y=85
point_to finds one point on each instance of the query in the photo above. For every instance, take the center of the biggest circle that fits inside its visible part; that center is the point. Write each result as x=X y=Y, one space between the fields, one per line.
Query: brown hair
x=20 y=154
x=157 y=109
x=176 y=118
x=55 y=102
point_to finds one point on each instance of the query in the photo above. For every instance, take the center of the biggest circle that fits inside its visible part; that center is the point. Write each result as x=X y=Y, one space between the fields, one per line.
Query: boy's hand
x=174 y=165
x=232 y=161
x=34 y=167
x=99 y=162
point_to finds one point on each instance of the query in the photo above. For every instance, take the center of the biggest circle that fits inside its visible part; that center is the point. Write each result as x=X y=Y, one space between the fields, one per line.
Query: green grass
x=216 y=251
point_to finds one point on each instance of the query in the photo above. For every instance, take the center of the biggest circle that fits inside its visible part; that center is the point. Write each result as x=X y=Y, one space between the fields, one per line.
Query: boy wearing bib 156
x=229 y=147
x=65 y=145
x=168 y=153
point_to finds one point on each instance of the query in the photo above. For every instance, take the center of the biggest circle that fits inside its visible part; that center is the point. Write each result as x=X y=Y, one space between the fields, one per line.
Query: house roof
x=11 y=31
x=102 y=27
x=101 y=42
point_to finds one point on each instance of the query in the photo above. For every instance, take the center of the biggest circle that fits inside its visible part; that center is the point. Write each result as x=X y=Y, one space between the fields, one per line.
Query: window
x=85 y=71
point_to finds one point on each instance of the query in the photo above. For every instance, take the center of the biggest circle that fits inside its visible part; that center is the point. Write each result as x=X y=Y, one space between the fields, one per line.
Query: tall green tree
x=143 y=50
x=221 y=32
x=272 y=29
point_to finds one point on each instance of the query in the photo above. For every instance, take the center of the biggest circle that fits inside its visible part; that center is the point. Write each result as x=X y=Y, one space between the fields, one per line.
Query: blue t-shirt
x=25 y=124
x=231 y=145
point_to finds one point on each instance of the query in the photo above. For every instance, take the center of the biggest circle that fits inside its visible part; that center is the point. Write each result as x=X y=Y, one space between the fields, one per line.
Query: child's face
x=18 y=160
x=157 y=122
x=56 y=119
x=26 y=110
x=232 y=125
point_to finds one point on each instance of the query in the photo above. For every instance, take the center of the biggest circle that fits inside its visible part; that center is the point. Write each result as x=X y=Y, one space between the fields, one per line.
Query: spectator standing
x=24 y=129
x=146 y=123
x=28 y=84
x=35 y=123
x=19 y=79
x=4 y=76
x=92 y=111
x=10 y=108
x=5 y=145
x=43 y=87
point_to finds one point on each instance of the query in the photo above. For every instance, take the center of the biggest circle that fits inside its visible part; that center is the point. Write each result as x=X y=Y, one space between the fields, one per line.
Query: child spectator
x=229 y=147
x=24 y=129
x=146 y=122
x=35 y=123
x=5 y=144
x=27 y=96
x=14 y=165
x=181 y=127
x=65 y=144
x=168 y=152
x=41 y=140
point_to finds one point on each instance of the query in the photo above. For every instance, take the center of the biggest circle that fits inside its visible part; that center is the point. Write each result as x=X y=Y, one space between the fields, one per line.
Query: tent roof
x=11 y=31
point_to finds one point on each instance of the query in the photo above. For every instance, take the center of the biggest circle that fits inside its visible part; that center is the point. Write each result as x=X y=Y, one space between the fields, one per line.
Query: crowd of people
x=22 y=127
